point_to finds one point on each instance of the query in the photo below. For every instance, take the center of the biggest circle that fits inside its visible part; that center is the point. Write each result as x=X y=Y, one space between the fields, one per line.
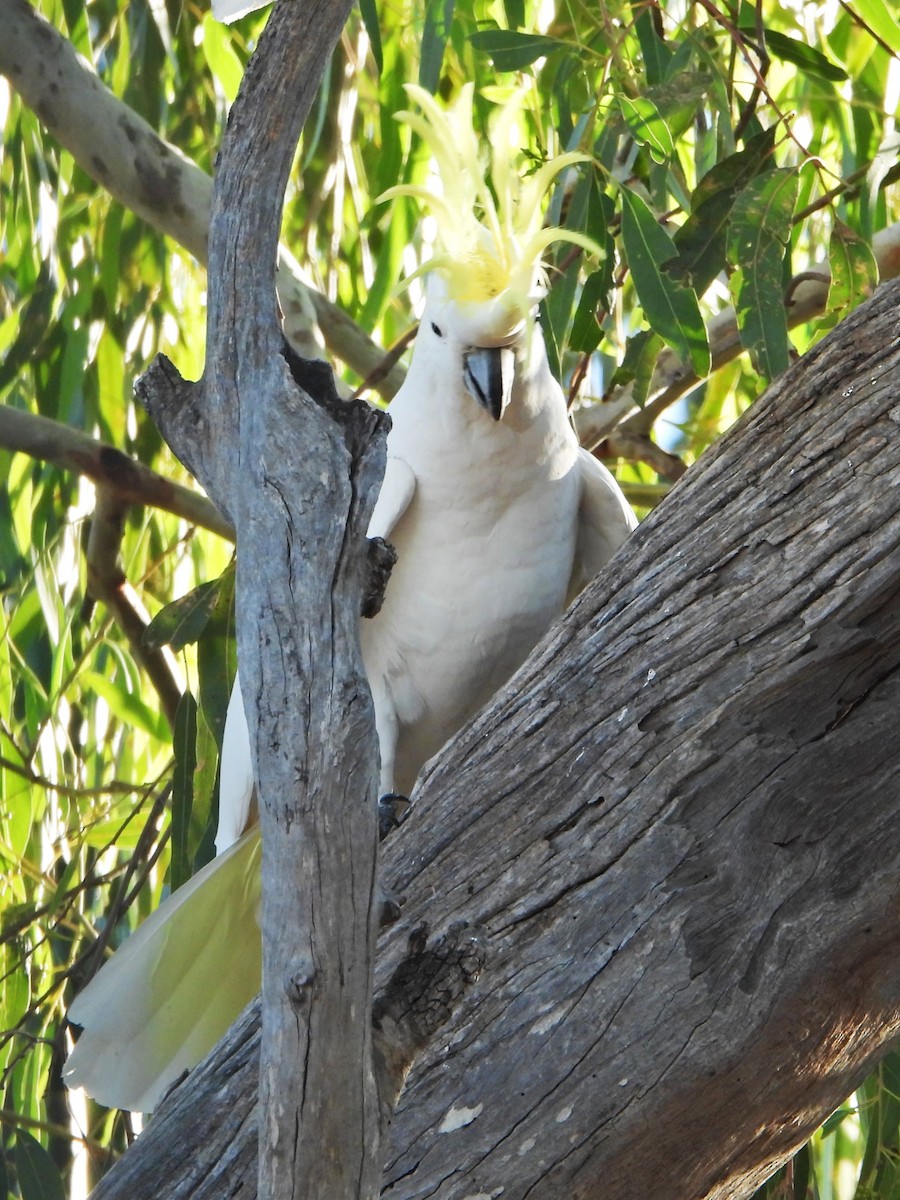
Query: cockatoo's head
x=486 y=276
x=488 y=341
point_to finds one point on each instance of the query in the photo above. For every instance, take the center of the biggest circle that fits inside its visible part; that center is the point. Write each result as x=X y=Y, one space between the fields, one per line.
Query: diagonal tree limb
x=131 y=481
x=125 y=155
x=677 y=829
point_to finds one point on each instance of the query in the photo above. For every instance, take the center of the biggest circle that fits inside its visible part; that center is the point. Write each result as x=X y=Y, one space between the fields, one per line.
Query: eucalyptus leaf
x=38 y=1175
x=510 y=50
x=758 y=237
x=670 y=307
x=810 y=60
x=647 y=127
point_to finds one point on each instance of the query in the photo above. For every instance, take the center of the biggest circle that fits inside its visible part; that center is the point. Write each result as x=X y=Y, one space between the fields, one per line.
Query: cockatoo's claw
x=382 y=556
x=392 y=810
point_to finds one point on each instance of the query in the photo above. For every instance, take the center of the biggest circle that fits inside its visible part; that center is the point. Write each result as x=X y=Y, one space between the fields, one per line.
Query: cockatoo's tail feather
x=490 y=239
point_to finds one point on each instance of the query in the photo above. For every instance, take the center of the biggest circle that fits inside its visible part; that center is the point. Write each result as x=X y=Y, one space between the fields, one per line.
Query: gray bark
x=676 y=831
x=297 y=470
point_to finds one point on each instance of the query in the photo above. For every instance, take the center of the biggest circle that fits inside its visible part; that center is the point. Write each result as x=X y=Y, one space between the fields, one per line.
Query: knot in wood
x=299 y=975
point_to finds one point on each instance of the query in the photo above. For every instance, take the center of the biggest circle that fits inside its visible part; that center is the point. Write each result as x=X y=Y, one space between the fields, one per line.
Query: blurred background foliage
x=739 y=155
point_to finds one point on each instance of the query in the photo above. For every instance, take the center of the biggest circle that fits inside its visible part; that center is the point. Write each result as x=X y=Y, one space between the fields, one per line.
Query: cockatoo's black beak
x=488 y=375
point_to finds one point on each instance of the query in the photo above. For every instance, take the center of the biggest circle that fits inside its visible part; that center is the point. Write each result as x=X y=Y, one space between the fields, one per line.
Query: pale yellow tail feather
x=172 y=990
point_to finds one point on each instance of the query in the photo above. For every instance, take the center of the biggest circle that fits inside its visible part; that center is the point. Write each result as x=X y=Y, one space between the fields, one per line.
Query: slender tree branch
x=107 y=583
x=122 y=153
x=132 y=482
x=672 y=379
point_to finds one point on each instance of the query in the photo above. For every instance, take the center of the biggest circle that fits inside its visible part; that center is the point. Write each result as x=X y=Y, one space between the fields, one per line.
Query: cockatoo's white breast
x=485 y=547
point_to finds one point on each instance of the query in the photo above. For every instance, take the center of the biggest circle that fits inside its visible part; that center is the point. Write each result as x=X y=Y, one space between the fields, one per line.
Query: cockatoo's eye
x=436 y=330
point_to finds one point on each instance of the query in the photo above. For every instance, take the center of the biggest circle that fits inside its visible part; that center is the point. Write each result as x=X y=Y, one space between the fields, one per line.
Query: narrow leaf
x=641 y=352
x=854 y=273
x=702 y=239
x=127 y=706
x=184 y=747
x=369 y=13
x=39 y=1178
x=220 y=56
x=183 y=622
x=647 y=127
x=804 y=56
x=760 y=231
x=586 y=331
x=670 y=307
x=438 y=17
x=877 y=16
x=657 y=55
x=510 y=50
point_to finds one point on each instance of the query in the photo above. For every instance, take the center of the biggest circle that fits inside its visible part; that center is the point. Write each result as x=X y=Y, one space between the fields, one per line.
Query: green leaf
x=702 y=239
x=759 y=234
x=369 y=14
x=647 y=127
x=38 y=1176
x=438 y=19
x=220 y=56
x=670 y=307
x=641 y=353
x=127 y=706
x=216 y=659
x=183 y=622
x=735 y=172
x=877 y=16
x=802 y=55
x=586 y=331
x=854 y=273
x=184 y=747
x=510 y=50
x=656 y=54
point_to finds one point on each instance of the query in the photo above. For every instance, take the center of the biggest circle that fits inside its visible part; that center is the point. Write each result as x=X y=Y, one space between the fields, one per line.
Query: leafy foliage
x=731 y=148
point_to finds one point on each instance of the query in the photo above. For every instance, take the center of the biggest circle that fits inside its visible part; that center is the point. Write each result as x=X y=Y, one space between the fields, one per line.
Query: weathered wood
x=297 y=470
x=677 y=829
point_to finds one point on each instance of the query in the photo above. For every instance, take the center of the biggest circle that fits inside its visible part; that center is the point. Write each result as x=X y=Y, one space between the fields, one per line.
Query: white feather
x=232 y=10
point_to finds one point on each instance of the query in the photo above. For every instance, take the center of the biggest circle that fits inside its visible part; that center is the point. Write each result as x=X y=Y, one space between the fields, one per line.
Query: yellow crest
x=490 y=243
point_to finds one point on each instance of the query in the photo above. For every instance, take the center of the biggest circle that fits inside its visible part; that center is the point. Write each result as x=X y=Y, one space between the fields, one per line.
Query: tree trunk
x=297 y=470
x=675 y=831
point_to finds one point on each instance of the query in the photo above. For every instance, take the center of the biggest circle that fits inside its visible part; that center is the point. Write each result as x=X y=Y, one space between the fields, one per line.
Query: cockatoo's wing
x=235 y=773
x=174 y=987
x=605 y=520
x=231 y=10
x=397 y=491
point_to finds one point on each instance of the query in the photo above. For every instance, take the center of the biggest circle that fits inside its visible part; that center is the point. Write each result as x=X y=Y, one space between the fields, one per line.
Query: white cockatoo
x=498 y=518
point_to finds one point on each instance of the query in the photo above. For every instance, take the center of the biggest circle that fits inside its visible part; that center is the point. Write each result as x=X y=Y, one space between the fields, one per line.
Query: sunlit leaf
x=670 y=307
x=510 y=50
x=219 y=53
x=758 y=236
x=854 y=273
x=647 y=126
x=877 y=16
